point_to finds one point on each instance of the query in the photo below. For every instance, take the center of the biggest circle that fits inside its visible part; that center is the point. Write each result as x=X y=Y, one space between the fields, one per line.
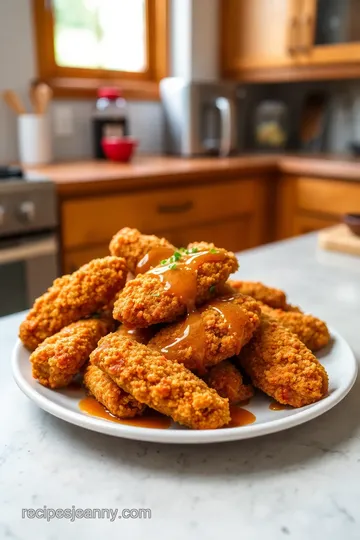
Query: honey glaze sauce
x=150 y=419
x=193 y=333
x=276 y=406
x=153 y=258
x=141 y=335
x=240 y=417
x=179 y=273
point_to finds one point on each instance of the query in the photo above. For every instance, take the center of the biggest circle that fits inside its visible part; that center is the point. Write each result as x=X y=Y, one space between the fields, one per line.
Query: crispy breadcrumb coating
x=208 y=341
x=268 y=295
x=148 y=300
x=161 y=384
x=227 y=380
x=311 y=331
x=109 y=394
x=132 y=245
x=73 y=297
x=61 y=356
x=281 y=366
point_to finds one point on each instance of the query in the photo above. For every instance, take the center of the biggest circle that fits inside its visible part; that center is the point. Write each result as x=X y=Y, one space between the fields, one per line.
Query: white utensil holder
x=34 y=139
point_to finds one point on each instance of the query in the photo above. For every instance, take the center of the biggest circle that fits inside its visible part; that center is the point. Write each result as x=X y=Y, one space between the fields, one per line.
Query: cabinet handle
x=306 y=34
x=293 y=35
x=175 y=208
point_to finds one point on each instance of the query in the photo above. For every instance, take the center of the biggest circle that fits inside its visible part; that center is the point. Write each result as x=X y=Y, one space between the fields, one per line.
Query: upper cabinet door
x=332 y=31
x=259 y=34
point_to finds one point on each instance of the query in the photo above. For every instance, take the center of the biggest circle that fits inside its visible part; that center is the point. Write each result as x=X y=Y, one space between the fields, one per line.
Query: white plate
x=337 y=358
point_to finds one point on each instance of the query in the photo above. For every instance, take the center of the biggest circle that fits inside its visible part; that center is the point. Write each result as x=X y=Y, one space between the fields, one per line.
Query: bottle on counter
x=109 y=118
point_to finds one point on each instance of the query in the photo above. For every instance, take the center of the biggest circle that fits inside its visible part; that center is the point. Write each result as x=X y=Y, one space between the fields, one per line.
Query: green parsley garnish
x=194 y=250
x=172 y=266
x=213 y=250
x=212 y=289
x=183 y=250
x=164 y=261
x=177 y=255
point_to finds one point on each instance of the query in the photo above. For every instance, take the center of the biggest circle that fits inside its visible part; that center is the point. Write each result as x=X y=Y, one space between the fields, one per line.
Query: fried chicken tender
x=281 y=366
x=61 y=356
x=109 y=394
x=268 y=295
x=208 y=336
x=161 y=384
x=227 y=380
x=73 y=297
x=311 y=331
x=133 y=246
x=153 y=298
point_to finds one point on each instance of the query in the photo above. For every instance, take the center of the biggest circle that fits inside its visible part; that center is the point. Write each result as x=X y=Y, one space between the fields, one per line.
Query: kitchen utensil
x=312 y=124
x=13 y=101
x=119 y=148
x=339 y=238
x=41 y=96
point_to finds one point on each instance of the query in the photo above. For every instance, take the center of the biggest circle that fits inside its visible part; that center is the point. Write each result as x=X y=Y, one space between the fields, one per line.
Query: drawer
x=94 y=220
x=327 y=196
x=232 y=234
x=72 y=260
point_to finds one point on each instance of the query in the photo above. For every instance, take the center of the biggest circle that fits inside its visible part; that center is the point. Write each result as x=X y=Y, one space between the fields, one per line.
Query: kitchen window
x=83 y=44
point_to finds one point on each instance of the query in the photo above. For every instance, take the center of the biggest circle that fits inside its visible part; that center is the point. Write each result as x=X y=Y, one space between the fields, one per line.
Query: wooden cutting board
x=339 y=238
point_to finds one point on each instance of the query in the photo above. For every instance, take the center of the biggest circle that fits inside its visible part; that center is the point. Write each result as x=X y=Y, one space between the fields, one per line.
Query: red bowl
x=119 y=149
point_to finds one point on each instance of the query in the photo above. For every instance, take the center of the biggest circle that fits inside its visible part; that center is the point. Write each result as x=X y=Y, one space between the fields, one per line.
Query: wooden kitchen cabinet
x=231 y=214
x=308 y=204
x=290 y=39
x=258 y=34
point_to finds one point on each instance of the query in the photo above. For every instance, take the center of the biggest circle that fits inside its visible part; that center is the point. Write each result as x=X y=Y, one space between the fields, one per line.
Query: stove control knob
x=2 y=215
x=26 y=212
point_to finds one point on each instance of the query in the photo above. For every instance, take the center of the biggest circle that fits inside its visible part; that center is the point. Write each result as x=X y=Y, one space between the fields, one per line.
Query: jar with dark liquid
x=109 y=118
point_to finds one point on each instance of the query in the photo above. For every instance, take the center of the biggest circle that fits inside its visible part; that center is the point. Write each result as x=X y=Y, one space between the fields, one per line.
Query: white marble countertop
x=300 y=484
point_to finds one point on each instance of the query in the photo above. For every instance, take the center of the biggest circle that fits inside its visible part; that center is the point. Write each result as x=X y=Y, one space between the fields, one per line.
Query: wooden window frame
x=69 y=82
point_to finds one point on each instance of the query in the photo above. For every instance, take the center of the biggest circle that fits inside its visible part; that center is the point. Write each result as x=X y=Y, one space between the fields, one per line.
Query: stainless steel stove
x=28 y=239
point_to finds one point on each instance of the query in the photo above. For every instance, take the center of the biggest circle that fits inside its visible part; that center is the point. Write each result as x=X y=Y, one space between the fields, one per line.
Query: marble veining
x=302 y=483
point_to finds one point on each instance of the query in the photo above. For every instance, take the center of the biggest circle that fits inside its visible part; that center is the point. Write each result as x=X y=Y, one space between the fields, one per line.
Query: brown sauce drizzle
x=180 y=278
x=193 y=333
x=153 y=420
x=240 y=417
x=276 y=406
x=150 y=419
x=141 y=335
x=153 y=258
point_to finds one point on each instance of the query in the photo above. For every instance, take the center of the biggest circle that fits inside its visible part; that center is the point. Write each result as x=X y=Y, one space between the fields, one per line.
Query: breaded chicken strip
x=218 y=330
x=161 y=384
x=281 y=366
x=311 y=331
x=268 y=295
x=109 y=394
x=227 y=380
x=168 y=291
x=133 y=246
x=73 y=297
x=61 y=356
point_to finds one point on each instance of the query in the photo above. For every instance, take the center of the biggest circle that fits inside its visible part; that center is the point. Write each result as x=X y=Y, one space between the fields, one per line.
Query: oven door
x=27 y=268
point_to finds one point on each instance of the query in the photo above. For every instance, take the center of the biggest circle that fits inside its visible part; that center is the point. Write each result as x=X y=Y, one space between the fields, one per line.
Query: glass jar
x=271 y=125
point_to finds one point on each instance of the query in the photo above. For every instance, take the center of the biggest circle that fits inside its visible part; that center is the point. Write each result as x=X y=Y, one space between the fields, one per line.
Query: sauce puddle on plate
x=276 y=406
x=240 y=416
x=150 y=419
